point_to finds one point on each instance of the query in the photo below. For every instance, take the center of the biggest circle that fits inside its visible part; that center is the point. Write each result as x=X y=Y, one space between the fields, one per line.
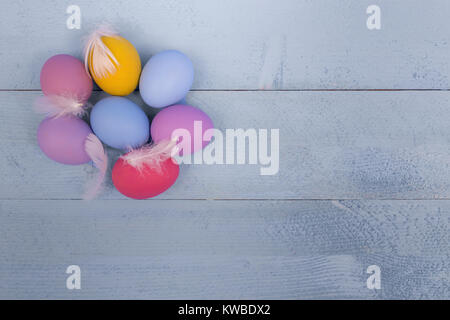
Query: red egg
x=145 y=183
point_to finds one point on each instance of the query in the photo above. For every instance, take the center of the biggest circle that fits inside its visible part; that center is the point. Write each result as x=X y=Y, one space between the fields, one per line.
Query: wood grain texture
x=225 y=249
x=257 y=65
x=333 y=145
x=206 y=277
x=248 y=44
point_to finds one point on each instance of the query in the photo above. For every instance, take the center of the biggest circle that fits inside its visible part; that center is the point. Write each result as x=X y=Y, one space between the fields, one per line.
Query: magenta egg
x=65 y=75
x=62 y=139
x=188 y=118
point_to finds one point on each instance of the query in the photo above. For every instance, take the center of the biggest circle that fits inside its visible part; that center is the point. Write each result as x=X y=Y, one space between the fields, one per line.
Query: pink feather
x=151 y=155
x=59 y=105
x=94 y=148
x=103 y=61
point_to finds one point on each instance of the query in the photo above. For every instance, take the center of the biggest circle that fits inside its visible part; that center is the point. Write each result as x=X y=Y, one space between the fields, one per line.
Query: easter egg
x=186 y=117
x=65 y=75
x=145 y=183
x=63 y=139
x=120 y=123
x=116 y=66
x=166 y=78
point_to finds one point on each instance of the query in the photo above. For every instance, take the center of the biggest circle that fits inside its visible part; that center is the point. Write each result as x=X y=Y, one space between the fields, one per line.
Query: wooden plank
x=36 y=230
x=199 y=277
x=333 y=145
x=292 y=44
x=206 y=277
x=225 y=249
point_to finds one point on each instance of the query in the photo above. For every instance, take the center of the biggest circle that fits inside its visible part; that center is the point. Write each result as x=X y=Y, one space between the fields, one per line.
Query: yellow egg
x=115 y=68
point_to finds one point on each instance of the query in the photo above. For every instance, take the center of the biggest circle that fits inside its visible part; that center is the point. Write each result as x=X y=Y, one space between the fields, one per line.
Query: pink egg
x=62 y=139
x=181 y=117
x=65 y=75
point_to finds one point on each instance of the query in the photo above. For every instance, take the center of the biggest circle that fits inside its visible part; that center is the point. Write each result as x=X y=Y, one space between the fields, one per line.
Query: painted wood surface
x=363 y=180
x=225 y=249
x=333 y=145
x=249 y=44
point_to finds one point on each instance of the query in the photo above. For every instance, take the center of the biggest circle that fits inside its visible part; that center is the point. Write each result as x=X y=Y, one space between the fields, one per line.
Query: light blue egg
x=120 y=123
x=166 y=78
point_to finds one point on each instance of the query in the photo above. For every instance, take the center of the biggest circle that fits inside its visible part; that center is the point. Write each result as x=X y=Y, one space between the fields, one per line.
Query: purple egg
x=62 y=139
x=65 y=75
x=181 y=117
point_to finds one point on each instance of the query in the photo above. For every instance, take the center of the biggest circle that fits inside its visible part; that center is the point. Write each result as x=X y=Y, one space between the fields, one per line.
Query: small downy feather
x=151 y=155
x=103 y=60
x=94 y=148
x=59 y=105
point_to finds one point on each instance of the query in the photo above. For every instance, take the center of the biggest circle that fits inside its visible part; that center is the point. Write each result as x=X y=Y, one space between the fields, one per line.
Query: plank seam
x=269 y=90
x=225 y=199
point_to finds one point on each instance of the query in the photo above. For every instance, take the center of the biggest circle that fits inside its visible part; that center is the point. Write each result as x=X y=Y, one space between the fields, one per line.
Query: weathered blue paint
x=252 y=44
x=269 y=237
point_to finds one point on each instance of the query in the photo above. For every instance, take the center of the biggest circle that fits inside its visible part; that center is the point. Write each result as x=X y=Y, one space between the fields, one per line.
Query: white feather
x=151 y=155
x=94 y=148
x=103 y=61
x=59 y=105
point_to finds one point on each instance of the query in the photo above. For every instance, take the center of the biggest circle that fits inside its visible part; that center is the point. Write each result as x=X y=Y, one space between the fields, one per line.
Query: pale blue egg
x=120 y=123
x=166 y=78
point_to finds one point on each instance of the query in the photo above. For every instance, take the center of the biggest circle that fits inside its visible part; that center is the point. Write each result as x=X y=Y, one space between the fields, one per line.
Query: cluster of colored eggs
x=146 y=169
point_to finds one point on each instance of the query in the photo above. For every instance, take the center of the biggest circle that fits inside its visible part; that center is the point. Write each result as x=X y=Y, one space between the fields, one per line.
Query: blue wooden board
x=251 y=44
x=364 y=165
x=225 y=249
x=333 y=145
